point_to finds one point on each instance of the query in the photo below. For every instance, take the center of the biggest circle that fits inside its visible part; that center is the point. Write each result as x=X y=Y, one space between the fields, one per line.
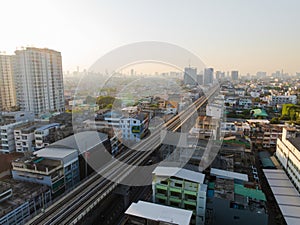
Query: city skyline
x=248 y=37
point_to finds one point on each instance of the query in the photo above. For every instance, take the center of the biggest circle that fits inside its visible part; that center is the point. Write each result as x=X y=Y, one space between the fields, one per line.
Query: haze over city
x=161 y=112
x=248 y=36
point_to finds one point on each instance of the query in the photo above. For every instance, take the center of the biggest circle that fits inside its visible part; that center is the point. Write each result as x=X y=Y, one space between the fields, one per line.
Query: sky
x=249 y=36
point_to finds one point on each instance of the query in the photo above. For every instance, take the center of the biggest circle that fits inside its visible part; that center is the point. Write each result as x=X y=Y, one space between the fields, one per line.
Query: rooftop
x=21 y=192
x=287 y=197
x=180 y=173
x=161 y=213
x=82 y=141
x=55 y=153
x=48 y=126
x=229 y=174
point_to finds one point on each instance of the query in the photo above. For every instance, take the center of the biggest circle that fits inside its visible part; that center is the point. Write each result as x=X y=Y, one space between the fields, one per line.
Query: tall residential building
x=234 y=75
x=208 y=76
x=190 y=76
x=7 y=88
x=39 y=80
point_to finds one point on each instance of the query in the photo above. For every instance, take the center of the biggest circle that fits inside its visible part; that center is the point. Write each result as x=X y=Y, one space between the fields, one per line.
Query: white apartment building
x=7 y=140
x=134 y=128
x=246 y=103
x=39 y=80
x=7 y=89
x=45 y=135
x=281 y=99
x=288 y=154
x=24 y=137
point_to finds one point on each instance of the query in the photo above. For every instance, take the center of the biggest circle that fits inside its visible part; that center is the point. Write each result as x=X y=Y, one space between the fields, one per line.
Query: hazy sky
x=250 y=36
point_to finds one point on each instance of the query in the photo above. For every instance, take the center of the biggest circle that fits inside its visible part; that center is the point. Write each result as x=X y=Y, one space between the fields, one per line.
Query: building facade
x=180 y=188
x=208 y=76
x=24 y=137
x=39 y=80
x=288 y=154
x=7 y=87
x=190 y=76
x=45 y=135
x=275 y=100
x=7 y=139
x=53 y=167
x=134 y=128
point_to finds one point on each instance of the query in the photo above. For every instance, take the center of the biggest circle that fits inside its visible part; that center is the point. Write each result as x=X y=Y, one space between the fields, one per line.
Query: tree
x=105 y=102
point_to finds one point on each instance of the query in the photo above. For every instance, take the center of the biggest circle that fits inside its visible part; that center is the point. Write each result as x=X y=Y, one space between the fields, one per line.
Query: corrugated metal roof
x=249 y=192
x=229 y=174
x=55 y=153
x=82 y=141
x=157 y=212
x=180 y=173
x=286 y=195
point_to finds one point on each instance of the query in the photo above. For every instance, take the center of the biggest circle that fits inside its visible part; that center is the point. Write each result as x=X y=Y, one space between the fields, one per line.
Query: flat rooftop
x=82 y=141
x=185 y=174
x=158 y=213
x=21 y=192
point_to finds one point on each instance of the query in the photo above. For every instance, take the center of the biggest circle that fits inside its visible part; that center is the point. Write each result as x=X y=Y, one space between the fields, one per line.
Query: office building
x=39 y=80
x=234 y=75
x=7 y=88
x=180 y=188
x=208 y=76
x=190 y=76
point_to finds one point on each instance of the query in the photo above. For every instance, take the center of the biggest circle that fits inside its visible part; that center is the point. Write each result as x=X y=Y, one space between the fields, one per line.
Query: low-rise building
x=275 y=100
x=231 y=199
x=45 y=135
x=21 y=201
x=54 y=167
x=7 y=140
x=144 y=213
x=24 y=137
x=181 y=188
x=13 y=117
x=245 y=103
x=134 y=128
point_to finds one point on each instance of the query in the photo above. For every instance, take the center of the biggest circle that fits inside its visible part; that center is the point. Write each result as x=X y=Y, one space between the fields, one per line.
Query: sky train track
x=72 y=207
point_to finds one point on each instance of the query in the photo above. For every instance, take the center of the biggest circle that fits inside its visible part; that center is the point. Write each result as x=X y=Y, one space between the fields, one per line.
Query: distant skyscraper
x=234 y=75
x=7 y=88
x=208 y=76
x=200 y=79
x=190 y=76
x=39 y=80
x=261 y=74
